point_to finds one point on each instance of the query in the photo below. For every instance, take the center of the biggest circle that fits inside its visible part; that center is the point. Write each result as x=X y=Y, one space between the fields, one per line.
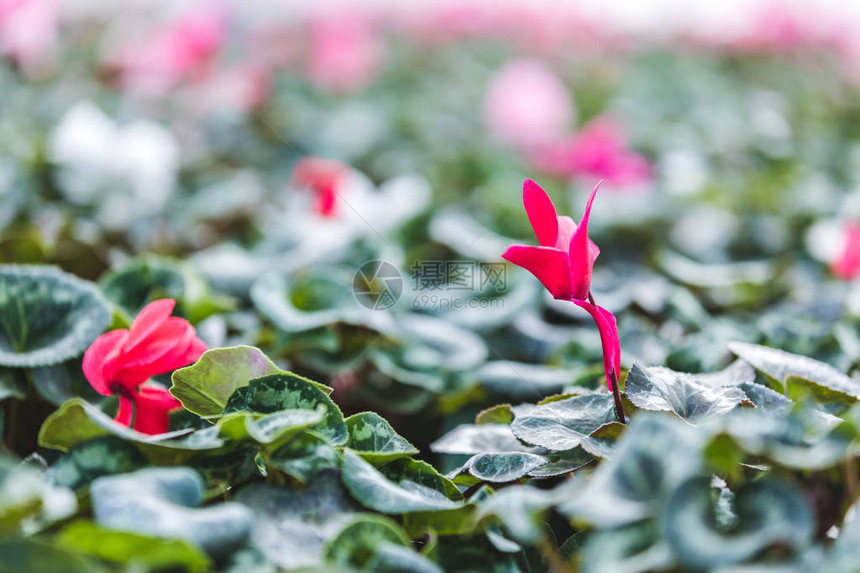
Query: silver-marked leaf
x=373 y=438
x=779 y=365
x=562 y=425
x=501 y=467
x=476 y=439
x=660 y=389
x=373 y=490
x=270 y=430
x=287 y=391
x=205 y=387
x=304 y=456
x=769 y=514
x=47 y=316
x=395 y=558
x=162 y=502
x=95 y=458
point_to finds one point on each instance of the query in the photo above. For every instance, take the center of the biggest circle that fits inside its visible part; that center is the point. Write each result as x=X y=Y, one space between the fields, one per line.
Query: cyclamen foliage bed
x=195 y=204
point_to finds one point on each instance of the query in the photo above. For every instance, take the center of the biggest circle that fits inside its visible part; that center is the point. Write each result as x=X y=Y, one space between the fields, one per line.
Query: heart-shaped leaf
x=661 y=389
x=475 y=439
x=291 y=526
x=47 y=316
x=161 y=502
x=768 y=512
x=287 y=391
x=304 y=456
x=562 y=425
x=95 y=458
x=501 y=467
x=270 y=430
x=358 y=543
x=372 y=489
x=778 y=365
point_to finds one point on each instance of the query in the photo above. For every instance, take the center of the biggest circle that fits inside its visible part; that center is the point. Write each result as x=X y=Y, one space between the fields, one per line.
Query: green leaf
x=286 y=391
x=476 y=439
x=12 y=385
x=78 y=421
x=501 y=414
x=95 y=458
x=373 y=438
x=147 y=278
x=131 y=549
x=303 y=456
x=373 y=490
x=779 y=365
x=291 y=526
x=562 y=425
x=661 y=389
x=655 y=454
x=206 y=386
x=34 y=556
x=560 y=463
x=270 y=430
x=769 y=514
x=358 y=542
x=47 y=316
x=160 y=502
x=423 y=474
x=395 y=558
x=444 y=522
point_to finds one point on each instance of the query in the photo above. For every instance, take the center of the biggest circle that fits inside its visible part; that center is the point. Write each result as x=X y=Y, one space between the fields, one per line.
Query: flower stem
x=616 y=393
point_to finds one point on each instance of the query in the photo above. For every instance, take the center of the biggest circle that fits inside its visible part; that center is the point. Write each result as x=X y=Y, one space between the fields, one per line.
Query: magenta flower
x=563 y=263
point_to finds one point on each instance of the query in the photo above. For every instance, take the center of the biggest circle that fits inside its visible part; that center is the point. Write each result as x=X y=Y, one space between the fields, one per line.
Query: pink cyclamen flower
x=527 y=104
x=847 y=265
x=598 y=150
x=119 y=362
x=324 y=177
x=563 y=263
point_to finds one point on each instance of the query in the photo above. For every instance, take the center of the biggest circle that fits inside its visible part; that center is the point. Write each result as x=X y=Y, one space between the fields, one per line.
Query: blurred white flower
x=128 y=170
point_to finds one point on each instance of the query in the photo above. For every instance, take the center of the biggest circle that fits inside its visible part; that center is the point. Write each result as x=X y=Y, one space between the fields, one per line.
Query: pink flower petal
x=126 y=411
x=152 y=405
x=847 y=266
x=609 y=340
x=148 y=319
x=541 y=213
x=582 y=254
x=550 y=266
x=98 y=354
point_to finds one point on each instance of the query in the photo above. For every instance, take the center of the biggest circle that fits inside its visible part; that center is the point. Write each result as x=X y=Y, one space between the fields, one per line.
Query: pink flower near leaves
x=847 y=264
x=120 y=361
x=563 y=263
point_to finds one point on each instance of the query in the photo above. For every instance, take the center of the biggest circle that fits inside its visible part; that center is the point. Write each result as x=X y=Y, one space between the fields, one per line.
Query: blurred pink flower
x=183 y=49
x=323 y=177
x=598 y=150
x=28 y=33
x=345 y=52
x=847 y=265
x=243 y=88
x=563 y=263
x=527 y=104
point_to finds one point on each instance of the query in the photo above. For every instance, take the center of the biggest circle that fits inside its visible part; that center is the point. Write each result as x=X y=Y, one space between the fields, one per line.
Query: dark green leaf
x=373 y=438
x=47 y=316
x=562 y=425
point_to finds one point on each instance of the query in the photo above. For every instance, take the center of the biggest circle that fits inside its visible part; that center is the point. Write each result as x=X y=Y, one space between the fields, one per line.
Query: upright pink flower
x=563 y=263
x=847 y=265
x=120 y=362
x=324 y=177
x=599 y=150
